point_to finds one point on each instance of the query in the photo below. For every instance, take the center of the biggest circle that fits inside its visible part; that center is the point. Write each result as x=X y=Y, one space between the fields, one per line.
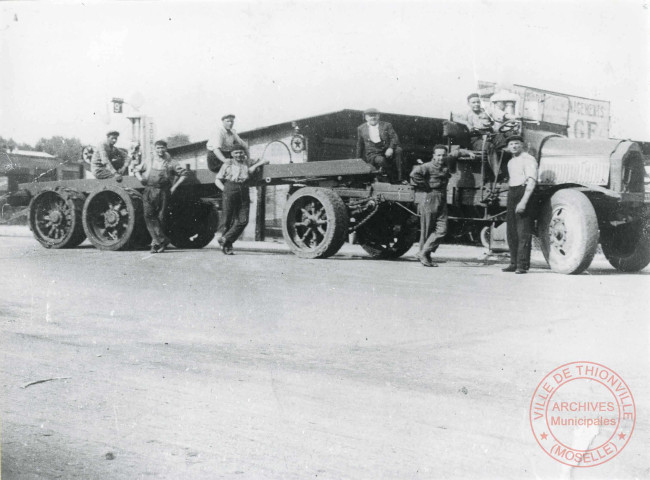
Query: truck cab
x=590 y=188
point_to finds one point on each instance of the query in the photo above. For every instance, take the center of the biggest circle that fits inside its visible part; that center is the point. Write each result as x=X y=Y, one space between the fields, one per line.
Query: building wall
x=276 y=147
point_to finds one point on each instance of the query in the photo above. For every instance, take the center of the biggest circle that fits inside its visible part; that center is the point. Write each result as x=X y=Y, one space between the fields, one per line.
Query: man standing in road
x=232 y=180
x=220 y=146
x=522 y=173
x=108 y=161
x=433 y=177
x=378 y=144
x=161 y=178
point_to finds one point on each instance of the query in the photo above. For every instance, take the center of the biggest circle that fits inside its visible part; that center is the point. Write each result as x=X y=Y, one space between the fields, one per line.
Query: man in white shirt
x=220 y=146
x=522 y=173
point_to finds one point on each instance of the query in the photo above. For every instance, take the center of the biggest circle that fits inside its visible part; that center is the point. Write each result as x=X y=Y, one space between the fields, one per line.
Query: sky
x=188 y=63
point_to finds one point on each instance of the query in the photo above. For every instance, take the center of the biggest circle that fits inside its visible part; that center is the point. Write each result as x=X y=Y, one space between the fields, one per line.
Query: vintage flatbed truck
x=589 y=191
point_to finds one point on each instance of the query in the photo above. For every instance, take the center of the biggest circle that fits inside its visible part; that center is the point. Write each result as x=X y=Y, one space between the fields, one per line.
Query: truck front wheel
x=568 y=232
x=315 y=223
x=627 y=247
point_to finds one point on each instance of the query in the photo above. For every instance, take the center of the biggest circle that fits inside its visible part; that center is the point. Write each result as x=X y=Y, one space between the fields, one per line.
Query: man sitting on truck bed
x=108 y=161
x=221 y=145
x=378 y=144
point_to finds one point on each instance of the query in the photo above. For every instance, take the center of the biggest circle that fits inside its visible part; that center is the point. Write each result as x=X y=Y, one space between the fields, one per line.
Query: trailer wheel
x=315 y=223
x=568 y=232
x=627 y=247
x=113 y=219
x=192 y=224
x=55 y=218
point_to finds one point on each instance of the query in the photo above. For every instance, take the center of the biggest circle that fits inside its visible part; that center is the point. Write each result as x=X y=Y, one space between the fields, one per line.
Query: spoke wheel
x=192 y=224
x=113 y=219
x=55 y=218
x=568 y=232
x=315 y=223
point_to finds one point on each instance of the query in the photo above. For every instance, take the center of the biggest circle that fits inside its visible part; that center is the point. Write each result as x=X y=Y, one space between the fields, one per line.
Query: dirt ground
x=194 y=365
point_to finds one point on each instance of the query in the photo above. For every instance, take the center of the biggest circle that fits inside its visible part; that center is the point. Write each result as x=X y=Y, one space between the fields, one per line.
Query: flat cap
x=113 y=133
x=371 y=111
x=160 y=142
x=515 y=137
x=228 y=115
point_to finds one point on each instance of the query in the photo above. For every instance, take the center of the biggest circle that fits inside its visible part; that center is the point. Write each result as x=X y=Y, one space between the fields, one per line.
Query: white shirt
x=521 y=168
x=225 y=140
x=373 y=133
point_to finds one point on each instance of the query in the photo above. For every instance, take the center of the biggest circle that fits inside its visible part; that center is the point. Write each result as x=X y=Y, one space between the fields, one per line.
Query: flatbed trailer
x=329 y=201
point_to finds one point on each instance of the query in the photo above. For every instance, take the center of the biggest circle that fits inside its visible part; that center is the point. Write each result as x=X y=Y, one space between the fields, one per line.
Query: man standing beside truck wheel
x=232 y=180
x=522 y=173
x=161 y=177
x=432 y=177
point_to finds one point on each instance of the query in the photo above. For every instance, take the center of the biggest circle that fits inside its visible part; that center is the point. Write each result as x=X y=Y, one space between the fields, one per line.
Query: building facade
x=331 y=136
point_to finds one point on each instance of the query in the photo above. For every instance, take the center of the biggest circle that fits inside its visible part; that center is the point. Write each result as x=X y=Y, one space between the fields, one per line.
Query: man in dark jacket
x=378 y=144
x=432 y=177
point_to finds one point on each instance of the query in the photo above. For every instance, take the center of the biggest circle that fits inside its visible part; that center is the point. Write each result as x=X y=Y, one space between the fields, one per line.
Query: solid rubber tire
x=337 y=228
x=582 y=232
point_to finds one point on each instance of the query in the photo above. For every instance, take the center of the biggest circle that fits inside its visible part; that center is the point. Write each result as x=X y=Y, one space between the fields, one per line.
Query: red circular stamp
x=582 y=414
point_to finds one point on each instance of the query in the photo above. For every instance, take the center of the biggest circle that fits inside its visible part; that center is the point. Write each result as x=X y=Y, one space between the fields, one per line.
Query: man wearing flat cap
x=108 y=161
x=378 y=144
x=233 y=181
x=161 y=176
x=220 y=145
x=520 y=215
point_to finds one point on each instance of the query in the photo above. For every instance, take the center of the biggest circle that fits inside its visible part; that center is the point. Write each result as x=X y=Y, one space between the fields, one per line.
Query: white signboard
x=583 y=117
x=588 y=118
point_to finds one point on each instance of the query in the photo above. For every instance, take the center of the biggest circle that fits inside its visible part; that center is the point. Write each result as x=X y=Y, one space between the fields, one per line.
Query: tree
x=10 y=144
x=66 y=149
x=178 y=139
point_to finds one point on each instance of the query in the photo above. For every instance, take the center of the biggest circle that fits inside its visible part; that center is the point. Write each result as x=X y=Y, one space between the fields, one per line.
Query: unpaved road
x=191 y=365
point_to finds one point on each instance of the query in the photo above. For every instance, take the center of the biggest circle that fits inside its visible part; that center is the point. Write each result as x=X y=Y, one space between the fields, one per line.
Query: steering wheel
x=510 y=126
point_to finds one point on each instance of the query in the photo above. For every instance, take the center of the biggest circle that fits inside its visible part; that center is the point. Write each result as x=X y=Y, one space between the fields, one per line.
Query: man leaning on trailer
x=161 y=178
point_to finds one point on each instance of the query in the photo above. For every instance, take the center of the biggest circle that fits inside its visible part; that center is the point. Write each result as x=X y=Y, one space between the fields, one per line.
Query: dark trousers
x=155 y=201
x=393 y=166
x=519 y=229
x=493 y=149
x=214 y=163
x=235 y=210
x=433 y=221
